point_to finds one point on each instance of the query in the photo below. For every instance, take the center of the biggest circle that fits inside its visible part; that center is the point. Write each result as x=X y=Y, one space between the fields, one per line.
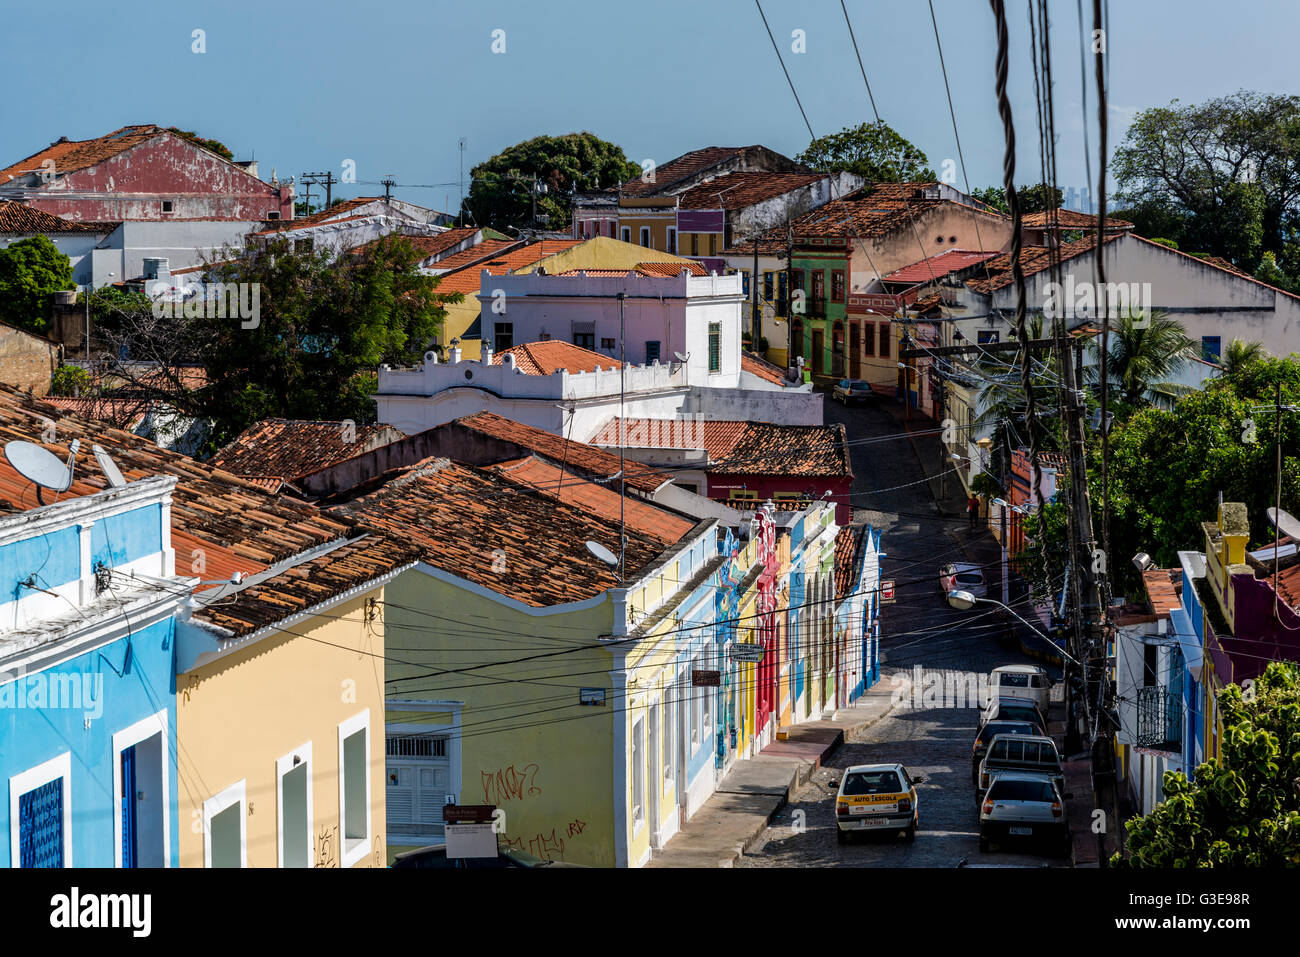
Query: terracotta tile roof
x=936 y=267
x=741 y=189
x=119 y=413
x=862 y=218
x=545 y=358
x=675 y=170
x=717 y=438
x=287 y=449
x=763 y=369
x=995 y=273
x=848 y=558
x=815 y=451
x=1224 y=264
x=484 y=250
x=1162 y=592
x=505 y=258
x=504 y=535
x=603 y=500
x=1070 y=219
x=337 y=211
x=289 y=225
x=668 y=270
x=577 y=455
x=235 y=526
x=752 y=448
x=19 y=218
x=771 y=242
x=72 y=155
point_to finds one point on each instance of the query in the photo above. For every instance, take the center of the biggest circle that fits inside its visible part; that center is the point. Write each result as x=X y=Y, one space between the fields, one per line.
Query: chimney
x=249 y=166
x=486 y=352
x=455 y=351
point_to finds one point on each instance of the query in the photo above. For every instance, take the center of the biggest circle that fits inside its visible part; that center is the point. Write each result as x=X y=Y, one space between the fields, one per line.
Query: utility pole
x=388 y=183
x=757 y=323
x=461 y=211
x=622 y=438
x=325 y=179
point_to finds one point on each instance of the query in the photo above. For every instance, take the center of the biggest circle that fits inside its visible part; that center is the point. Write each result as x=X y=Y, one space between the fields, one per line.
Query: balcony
x=1159 y=719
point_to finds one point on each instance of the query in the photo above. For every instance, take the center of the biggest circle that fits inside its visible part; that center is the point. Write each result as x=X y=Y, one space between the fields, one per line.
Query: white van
x=1022 y=681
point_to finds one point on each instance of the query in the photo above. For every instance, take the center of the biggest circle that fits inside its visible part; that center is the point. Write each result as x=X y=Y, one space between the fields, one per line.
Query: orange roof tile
x=1070 y=219
x=936 y=267
x=468 y=278
x=18 y=218
x=763 y=369
x=287 y=449
x=741 y=189
x=1161 y=590
x=680 y=168
x=718 y=438
x=549 y=479
x=995 y=273
x=545 y=358
x=71 y=155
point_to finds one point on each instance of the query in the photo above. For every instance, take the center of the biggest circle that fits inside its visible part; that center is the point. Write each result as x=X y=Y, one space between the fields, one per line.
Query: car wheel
x=984 y=844
x=910 y=834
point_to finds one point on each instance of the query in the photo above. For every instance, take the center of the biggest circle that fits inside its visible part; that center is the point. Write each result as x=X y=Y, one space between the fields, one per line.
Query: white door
x=418 y=777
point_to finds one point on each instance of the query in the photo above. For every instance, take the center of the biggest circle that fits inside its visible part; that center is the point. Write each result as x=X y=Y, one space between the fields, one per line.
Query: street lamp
x=964 y=600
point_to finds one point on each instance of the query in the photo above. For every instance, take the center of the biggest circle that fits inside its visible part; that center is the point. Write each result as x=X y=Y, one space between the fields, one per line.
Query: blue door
x=40 y=826
x=128 y=807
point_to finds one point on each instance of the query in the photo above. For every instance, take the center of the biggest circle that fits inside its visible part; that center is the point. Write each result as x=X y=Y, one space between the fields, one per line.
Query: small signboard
x=706 y=679
x=887 y=592
x=746 y=652
x=471 y=840
x=467 y=813
x=592 y=696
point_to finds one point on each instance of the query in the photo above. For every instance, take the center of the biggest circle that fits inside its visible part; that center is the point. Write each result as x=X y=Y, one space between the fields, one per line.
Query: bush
x=69 y=381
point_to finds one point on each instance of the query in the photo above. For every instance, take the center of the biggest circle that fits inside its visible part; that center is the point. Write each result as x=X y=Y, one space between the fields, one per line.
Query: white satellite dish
x=108 y=467
x=41 y=466
x=603 y=553
x=682 y=358
x=1285 y=523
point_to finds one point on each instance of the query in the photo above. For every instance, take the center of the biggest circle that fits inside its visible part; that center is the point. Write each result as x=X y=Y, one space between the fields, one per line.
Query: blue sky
x=393 y=84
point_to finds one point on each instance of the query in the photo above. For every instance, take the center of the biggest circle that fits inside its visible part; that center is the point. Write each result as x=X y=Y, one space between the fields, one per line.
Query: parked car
x=1022 y=681
x=852 y=390
x=963 y=576
x=1023 y=805
x=1014 y=709
x=435 y=855
x=876 y=797
x=1014 y=752
x=987 y=733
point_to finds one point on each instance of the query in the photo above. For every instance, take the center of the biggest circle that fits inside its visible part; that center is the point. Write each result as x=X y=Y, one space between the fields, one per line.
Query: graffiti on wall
x=506 y=784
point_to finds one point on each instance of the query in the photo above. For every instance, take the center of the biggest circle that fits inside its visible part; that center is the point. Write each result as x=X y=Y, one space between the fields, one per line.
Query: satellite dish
x=603 y=553
x=682 y=358
x=108 y=467
x=41 y=466
x=1285 y=523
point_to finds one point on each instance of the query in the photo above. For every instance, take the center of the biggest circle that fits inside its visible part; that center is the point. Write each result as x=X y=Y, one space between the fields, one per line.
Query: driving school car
x=876 y=797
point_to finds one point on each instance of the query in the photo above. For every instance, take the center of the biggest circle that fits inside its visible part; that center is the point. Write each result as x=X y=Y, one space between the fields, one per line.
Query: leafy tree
x=501 y=189
x=1141 y=353
x=215 y=146
x=873 y=151
x=1244 y=809
x=1226 y=169
x=30 y=271
x=69 y=380
x=1239 y=355
x=1033 y=199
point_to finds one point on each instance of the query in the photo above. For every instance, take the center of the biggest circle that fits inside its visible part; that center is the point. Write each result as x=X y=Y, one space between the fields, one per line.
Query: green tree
x=1033 y=199
x=1243 y=809
x=1225 y=169
x=873 y=151
x=215 y=146
x=1141 y=353
x=31 y=270
x=69 y=380
x=1239 y=355
x=501 y=191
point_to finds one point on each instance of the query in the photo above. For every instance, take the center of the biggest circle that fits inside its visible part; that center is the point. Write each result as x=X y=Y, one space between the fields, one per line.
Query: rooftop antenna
x=39 y=465
x=106 y=465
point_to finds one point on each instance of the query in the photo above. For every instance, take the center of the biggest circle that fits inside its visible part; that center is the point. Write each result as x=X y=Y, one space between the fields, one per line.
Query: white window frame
x=34 y=777
x=645 y=238
x=235 y=794
x=672 y=241
x=361 y=848
x=128 y=737
x=282 y=767
x=668 y=744
x=625 y=233
x=638 y=771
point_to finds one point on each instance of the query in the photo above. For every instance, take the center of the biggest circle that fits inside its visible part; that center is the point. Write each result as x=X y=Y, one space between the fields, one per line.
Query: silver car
x=1027 y=805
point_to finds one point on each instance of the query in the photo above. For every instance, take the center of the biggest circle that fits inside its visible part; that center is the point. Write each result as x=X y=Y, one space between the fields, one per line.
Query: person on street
x=973 y=509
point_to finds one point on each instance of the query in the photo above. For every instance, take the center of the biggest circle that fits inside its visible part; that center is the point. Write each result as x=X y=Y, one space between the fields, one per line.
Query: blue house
x=89 y=600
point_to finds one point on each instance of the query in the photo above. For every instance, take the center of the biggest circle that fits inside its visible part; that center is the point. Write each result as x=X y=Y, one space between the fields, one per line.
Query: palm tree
x=1239 y=355
x=1142 y=353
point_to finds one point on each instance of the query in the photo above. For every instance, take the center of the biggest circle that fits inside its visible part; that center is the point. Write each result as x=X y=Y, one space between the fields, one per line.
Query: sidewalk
x=755 y=789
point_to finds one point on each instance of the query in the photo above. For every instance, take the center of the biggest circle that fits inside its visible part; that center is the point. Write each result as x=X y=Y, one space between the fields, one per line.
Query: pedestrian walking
x=973 y=509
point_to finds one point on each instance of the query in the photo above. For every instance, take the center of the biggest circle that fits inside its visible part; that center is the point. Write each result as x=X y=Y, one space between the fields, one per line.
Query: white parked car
x=876 y=797
x=1024 y=805
x=1022 y=681
x=963 y=576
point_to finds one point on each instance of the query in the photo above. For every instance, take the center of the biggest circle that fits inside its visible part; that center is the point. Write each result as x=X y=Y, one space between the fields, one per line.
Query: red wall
x=132 y=185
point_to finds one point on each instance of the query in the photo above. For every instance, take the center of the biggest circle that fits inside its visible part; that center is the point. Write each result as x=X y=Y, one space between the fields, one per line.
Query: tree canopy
x=501 y=188
x=216 y=146
x=873 y=151
x=1220 y=177
x=30 y=271
x=1244 y=809
x=1037 y=198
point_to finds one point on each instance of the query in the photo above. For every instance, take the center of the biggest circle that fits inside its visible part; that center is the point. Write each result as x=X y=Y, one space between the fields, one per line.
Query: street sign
x=468 y=813
x=886 y=592
x=706 y=679
x=747 y=652
x=470 y=840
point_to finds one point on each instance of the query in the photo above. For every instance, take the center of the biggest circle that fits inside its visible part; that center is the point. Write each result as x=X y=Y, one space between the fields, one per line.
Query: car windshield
x=1013 y=680
x=1005 y=727
x=1020 y=712
x=970 y=578
x=858 y=384
x=871 y=782
x=1021 y=791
